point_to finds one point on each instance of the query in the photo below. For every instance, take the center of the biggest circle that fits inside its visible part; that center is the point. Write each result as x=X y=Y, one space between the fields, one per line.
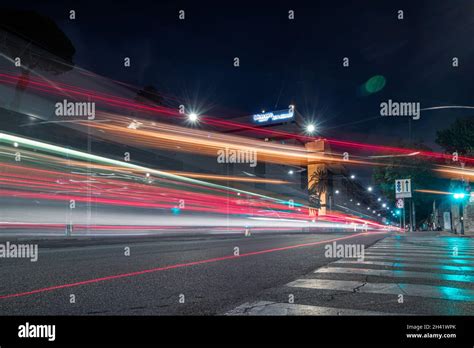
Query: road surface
x=203 y=275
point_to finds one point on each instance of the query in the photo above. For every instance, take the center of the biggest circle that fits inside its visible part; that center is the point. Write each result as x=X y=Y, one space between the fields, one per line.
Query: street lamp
x=369 y=189
x=290 y=172
x=353 y=176
x=398 y=212
x=310 y=128
x=459 y=196
x=193 y=117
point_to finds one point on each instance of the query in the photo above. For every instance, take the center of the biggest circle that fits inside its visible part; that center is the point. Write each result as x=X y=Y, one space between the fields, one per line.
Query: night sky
x=286 y=61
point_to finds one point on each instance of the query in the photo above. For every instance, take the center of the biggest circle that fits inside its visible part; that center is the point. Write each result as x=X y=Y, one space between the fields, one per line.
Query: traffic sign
x=400 y=203
x=403 y=188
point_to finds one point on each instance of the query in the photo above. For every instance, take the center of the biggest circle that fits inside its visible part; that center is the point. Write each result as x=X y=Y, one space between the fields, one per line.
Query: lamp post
x=460 y=197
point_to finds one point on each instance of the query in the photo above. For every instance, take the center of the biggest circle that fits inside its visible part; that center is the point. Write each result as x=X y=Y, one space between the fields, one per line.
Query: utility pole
x=411 y=206
x=404 y=222
x=414 y=216
x=461 y=205
x=410 y=216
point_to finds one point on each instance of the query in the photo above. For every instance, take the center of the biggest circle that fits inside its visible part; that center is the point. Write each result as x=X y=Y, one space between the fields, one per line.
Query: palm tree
x=318 y=184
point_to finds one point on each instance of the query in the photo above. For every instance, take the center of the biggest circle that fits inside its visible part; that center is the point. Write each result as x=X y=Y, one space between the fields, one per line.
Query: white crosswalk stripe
x=426 y=268
x=407 y=252
x=409 y=265
x=417 y=259
x=441 y=292
x=274 y=308
x=434 y=247
x=397 y=273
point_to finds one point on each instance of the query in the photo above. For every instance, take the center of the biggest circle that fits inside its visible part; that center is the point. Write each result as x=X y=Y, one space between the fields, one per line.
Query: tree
x=318 y=184
x=458 y=138
x=410 y=167
x=38 y=42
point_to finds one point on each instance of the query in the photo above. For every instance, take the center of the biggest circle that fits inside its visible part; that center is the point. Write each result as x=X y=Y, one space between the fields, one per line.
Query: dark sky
x=285 y=61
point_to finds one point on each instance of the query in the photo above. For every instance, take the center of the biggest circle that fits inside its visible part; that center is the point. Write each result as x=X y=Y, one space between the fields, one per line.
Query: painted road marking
x=274 y=308
x=418 y=290
x=396 y=273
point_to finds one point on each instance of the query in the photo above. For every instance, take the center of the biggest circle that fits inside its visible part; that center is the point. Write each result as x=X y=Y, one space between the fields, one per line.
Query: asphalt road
x=163 y=275
x=414 y=274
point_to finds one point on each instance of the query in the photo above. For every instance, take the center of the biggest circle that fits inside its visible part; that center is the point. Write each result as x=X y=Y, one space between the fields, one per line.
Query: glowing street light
x=310 y=128
x=459 y=196
x=353 y=176
x=193 y=117
x=291 y=172
x=369 y=188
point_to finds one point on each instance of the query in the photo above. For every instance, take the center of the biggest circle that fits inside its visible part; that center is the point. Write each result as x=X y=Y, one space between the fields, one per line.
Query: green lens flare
x=375 y=84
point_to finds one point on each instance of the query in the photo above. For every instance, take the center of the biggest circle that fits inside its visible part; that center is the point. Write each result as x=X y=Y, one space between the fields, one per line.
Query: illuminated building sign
x=274 y=116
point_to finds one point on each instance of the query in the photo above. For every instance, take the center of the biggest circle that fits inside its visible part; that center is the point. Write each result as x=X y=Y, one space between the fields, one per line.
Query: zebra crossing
x=399 y=275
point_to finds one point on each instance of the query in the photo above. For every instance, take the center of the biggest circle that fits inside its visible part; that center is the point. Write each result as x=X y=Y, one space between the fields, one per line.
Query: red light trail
x=61 y=89
x=180 y=265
